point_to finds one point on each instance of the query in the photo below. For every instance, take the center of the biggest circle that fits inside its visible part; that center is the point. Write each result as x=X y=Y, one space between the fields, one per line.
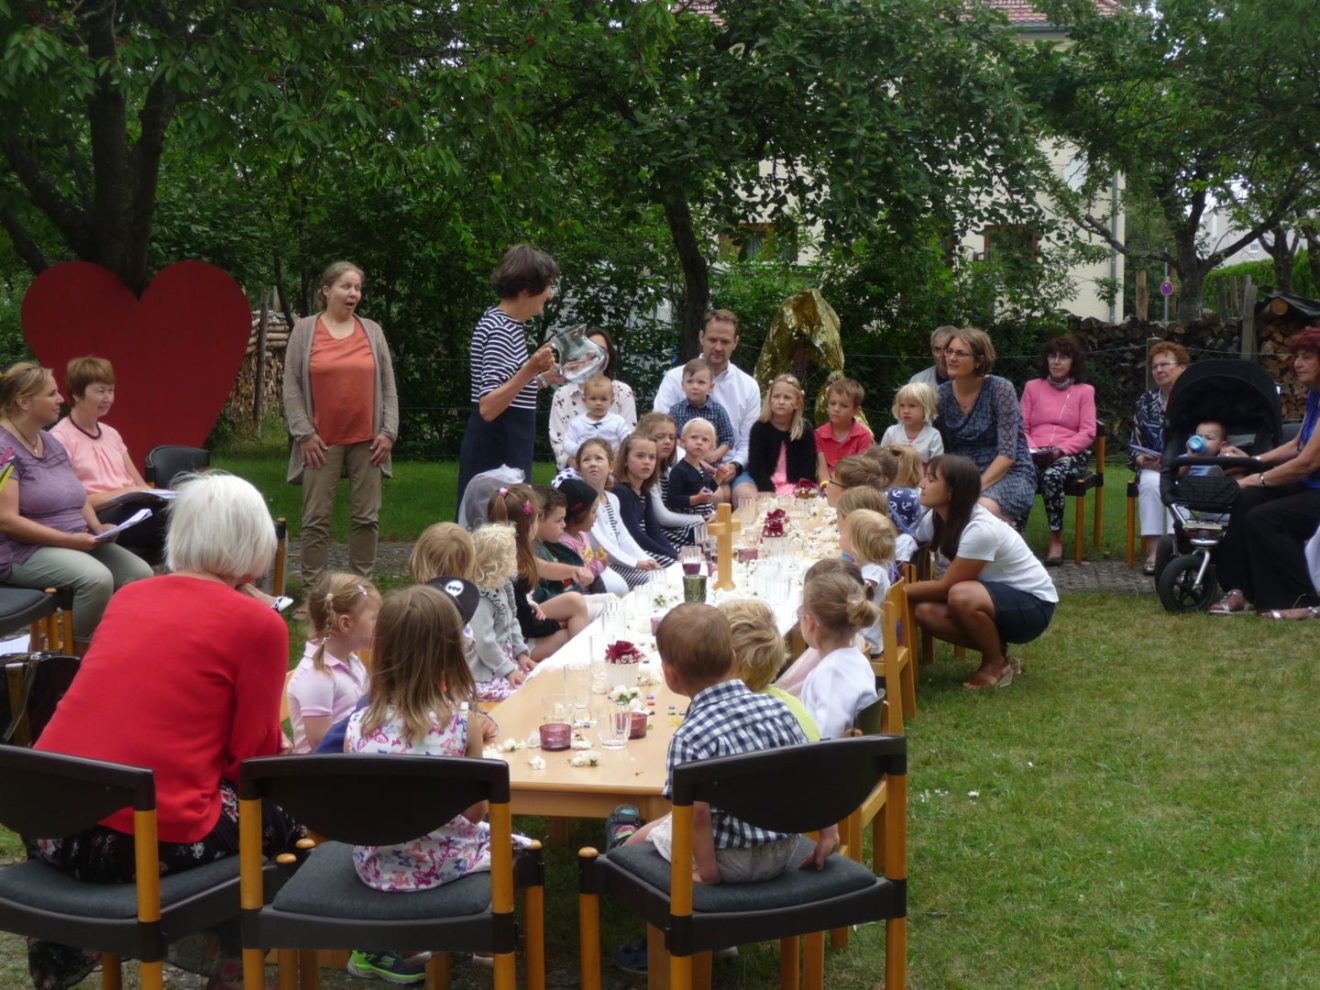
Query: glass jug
x=578 y=358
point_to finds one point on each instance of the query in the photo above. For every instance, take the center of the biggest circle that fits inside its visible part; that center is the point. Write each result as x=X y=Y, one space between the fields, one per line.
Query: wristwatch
x=1263 y=482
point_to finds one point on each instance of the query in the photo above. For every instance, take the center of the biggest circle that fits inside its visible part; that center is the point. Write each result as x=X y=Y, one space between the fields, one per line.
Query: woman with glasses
x=979 y=416
x=1167 y=362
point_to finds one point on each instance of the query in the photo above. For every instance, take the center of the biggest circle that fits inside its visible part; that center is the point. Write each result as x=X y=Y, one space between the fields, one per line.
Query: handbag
x=34 y=684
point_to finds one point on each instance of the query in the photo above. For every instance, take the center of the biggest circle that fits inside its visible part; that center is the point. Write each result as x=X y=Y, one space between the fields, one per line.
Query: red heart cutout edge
x=176 y=351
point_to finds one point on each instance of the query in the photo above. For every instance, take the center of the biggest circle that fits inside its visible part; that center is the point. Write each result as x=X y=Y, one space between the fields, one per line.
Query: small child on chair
x=724 y=718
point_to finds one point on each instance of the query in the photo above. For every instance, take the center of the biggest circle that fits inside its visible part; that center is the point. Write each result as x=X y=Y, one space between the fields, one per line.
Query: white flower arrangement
x=588 y=758
x=536 y=763
x=580 y=743
x=491 y=753
x=511 y=746
x=624 y=695
x=646 y=677
x=533 y=740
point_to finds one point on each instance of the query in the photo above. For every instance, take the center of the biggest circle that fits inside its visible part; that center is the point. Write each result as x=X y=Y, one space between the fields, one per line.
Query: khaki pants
x=93 y=576
x=320 y=487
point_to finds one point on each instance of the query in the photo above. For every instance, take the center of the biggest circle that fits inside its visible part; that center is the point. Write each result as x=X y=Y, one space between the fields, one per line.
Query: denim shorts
x=1019 y=615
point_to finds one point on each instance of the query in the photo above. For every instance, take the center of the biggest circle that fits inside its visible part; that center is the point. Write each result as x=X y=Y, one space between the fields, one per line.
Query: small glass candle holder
x=556 y=722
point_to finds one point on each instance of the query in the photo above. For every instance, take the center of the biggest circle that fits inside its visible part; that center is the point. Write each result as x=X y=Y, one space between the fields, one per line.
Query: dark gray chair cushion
x=35 y=885
x=22 y=606
x=793 y=887
x=328 y=885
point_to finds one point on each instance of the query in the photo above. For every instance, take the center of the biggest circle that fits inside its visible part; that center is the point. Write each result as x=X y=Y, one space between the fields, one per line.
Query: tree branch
x=73 y=223
x=24 y=246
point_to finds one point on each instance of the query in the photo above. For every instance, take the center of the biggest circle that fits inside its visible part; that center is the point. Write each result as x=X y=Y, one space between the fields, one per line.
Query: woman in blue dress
x=980 y=417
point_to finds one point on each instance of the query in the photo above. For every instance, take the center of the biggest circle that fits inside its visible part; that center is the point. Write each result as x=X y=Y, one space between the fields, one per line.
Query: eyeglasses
x=950 y=352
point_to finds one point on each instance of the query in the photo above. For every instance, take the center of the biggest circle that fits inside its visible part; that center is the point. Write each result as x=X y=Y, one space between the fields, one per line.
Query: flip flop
x=1313 y=612
x=1225 y=605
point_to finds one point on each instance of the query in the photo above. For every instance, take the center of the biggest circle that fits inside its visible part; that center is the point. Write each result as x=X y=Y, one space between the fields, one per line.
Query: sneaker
x=389 y=966
x=623 y=822
x=631 y=957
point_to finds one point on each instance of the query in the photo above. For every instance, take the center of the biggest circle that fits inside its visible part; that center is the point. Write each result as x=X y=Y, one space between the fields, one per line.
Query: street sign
x=1166 y=288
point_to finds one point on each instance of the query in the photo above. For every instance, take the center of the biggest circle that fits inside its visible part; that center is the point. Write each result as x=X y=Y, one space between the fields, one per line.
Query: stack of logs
x=247 y=406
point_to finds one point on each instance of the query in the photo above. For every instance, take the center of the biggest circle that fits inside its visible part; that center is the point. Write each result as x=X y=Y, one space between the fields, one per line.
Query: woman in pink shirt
x=1058 y=414
x=100 y=457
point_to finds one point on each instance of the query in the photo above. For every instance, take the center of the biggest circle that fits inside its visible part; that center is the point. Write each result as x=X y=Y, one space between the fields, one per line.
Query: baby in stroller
x=1219 y=413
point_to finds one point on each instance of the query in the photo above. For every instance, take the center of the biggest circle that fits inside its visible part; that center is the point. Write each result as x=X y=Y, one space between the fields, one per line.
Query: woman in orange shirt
x=343 y=414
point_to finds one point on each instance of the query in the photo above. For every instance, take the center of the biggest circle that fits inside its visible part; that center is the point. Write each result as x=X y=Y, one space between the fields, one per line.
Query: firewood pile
x=241 y=409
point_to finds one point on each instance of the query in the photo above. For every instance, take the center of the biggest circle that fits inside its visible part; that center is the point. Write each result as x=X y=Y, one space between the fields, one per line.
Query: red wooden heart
x=176 y=351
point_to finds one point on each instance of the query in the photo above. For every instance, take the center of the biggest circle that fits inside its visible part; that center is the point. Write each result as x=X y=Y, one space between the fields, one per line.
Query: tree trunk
x=695 y=300
x=1192 y=270
x=1284 y=254
x=1312 y=234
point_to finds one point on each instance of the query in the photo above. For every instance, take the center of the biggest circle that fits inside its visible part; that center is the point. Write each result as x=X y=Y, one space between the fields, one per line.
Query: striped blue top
x=499 y=349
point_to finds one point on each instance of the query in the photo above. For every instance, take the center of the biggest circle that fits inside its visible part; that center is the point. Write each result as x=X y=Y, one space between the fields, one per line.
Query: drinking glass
x=614 y=723
x=690 y=558
x=556 y=722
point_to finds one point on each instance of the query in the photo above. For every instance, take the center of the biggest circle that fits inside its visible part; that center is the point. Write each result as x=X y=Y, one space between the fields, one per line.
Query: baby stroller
x=1243 y=397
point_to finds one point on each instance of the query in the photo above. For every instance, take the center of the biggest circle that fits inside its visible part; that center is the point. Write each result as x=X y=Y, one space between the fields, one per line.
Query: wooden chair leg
x=309 y=971
x=589 y=934
x=814 y=962
x=703 y=964
x=896 y=954
x=789 y=964
x=1079 y=529
x=437 y=971
x=1131 y=548
x=112 y=972
x=534 y=930
x=1098 y=520
x=559 y=831
x=286 y=962
x=151 y=975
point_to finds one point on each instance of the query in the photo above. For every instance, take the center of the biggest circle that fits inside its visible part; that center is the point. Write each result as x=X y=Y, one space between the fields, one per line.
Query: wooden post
x=1143 y=296
x=259 y=365
x=1249 y=340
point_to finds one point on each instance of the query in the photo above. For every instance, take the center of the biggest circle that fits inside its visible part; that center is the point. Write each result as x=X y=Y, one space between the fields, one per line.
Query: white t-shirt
x=839 y=687
x=928 y=441
x=1008 y=558
x=877 y=576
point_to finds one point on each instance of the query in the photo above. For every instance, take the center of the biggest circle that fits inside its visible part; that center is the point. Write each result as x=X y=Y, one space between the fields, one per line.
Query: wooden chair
x=899 y=662
x=325 y=906
x=48 y=615
x=48 y=794
x=1078 y=487
x=831 y=779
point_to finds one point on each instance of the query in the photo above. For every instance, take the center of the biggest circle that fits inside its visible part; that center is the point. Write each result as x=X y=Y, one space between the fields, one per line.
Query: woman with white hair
x=184 y=677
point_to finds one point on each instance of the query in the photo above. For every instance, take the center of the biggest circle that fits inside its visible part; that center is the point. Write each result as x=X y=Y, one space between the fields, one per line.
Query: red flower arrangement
x=775 y=522
x=806 y=488
x=622 y=651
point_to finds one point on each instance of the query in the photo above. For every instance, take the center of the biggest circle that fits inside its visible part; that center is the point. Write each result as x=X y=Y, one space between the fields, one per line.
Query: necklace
x=32 y=445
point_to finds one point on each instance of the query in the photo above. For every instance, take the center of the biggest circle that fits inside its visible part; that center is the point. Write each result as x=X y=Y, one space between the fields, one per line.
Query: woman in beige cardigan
x=343 y=415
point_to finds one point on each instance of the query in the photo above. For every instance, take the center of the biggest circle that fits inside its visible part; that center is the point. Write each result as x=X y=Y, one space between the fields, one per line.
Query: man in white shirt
x=934 y=376
x=734 y=389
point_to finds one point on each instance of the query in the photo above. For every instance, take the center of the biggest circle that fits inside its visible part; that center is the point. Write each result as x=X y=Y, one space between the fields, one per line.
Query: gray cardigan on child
x=493 y=624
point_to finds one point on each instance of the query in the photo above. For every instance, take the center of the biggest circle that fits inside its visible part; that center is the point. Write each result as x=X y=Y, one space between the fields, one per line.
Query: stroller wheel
x=1177 y=585
x=1164 y=552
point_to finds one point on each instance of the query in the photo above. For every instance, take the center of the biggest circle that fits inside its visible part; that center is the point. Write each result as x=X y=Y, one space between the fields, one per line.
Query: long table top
x=636 y=773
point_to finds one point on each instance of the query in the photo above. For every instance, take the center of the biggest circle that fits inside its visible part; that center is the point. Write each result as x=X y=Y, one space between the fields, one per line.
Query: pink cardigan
x=1058 y=418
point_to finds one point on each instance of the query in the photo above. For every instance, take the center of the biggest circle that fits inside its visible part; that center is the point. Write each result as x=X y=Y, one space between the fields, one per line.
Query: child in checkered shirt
x=724 y=718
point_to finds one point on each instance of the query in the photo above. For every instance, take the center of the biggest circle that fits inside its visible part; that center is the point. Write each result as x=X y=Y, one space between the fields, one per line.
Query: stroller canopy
x=1239 y=394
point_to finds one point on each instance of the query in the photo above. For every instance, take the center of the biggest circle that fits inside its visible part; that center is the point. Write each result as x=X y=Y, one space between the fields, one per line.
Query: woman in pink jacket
x=1058 y=414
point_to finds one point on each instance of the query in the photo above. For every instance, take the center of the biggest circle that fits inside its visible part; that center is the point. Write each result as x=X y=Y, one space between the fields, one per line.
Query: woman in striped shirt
x=502 y=427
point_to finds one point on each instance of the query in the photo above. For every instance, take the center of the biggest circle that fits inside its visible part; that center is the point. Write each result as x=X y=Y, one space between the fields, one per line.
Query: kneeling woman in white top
x=994 y=591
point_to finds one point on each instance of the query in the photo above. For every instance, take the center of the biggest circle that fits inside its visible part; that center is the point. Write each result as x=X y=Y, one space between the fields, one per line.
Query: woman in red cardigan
x=184 y=676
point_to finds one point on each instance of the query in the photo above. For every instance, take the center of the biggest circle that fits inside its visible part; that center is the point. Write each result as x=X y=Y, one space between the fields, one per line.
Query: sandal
x=1313 y=612
x=1233 y=603
x=622 y=822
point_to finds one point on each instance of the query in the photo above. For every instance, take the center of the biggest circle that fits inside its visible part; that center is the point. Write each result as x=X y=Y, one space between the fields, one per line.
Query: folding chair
x=831 y=779
x=51 y=795
x=325 y=905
